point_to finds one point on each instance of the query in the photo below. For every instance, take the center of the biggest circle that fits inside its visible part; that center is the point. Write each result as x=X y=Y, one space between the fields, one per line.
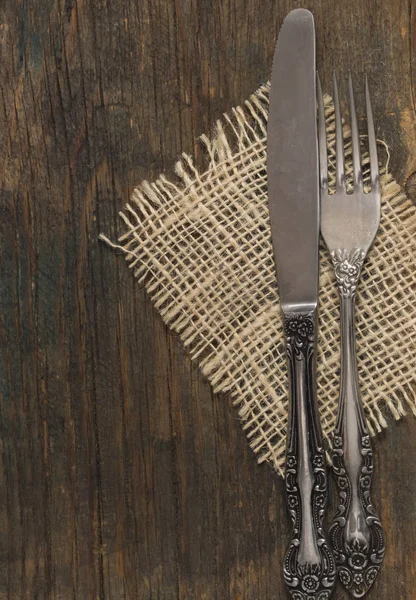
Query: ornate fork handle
x=309 y=566
x=356 y=532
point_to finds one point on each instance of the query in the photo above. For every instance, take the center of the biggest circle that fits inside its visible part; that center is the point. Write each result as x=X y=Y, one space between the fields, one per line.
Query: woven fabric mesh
x=201 y=246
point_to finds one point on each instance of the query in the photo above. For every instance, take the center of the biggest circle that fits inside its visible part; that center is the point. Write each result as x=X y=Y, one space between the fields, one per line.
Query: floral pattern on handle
x=313 y=580
x=356 y=532
x=347 y=265
x=358 y=562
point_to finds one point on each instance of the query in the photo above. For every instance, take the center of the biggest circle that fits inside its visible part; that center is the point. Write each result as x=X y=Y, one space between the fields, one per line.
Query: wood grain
x=122 y=475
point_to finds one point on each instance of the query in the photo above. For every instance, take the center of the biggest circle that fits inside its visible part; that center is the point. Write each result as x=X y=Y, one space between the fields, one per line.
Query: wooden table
x=122 y=475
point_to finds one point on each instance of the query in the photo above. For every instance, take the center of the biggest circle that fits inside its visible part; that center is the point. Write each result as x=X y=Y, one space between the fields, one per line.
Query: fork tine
x=356 y=155
x=323 y=156
x=340 y=169
x=372 y=144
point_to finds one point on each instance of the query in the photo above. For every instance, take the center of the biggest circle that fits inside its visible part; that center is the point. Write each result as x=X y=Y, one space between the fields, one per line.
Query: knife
x=293 y=183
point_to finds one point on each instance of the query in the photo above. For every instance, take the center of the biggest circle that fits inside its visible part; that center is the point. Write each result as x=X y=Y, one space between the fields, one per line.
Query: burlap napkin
x=202 y=249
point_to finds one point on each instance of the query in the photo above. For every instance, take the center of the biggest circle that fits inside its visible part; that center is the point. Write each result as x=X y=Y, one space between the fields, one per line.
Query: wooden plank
x=123 y=476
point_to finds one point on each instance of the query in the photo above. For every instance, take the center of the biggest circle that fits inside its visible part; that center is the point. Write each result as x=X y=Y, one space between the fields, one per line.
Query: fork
x=349 y=223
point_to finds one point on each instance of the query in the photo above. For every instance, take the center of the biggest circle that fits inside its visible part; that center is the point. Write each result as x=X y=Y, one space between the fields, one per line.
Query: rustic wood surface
x=122 y=475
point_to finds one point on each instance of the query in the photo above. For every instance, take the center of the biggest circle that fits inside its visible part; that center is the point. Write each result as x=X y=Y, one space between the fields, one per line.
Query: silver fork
x=349 y=223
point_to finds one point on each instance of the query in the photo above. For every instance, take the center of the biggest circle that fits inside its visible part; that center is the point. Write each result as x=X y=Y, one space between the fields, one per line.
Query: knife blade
x=292 y=162
x=293 y=184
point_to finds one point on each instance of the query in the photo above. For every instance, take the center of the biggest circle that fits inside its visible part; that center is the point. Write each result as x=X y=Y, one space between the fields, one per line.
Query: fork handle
x=309 y=566
x=356 y=533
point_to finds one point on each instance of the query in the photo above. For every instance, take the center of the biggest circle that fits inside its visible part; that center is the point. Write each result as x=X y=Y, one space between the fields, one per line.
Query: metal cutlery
x=349 y=223
x=293 y=181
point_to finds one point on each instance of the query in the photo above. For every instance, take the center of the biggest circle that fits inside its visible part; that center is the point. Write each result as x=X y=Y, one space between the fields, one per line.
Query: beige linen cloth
x=202 y=249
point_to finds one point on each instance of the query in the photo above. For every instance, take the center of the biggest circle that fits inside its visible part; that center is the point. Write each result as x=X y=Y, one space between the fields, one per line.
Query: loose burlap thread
x=202 y=249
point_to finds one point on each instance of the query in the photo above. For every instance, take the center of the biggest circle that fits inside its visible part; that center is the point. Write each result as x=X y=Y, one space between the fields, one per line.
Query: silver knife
x=293 y=182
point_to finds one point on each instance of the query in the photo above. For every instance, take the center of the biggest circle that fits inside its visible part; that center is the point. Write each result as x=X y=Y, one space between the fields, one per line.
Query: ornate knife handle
x=356 y=533
x=309 y=566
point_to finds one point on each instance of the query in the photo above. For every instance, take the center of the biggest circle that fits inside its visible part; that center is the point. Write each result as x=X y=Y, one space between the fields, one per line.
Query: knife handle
x=309 y=565
x=356 y=532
